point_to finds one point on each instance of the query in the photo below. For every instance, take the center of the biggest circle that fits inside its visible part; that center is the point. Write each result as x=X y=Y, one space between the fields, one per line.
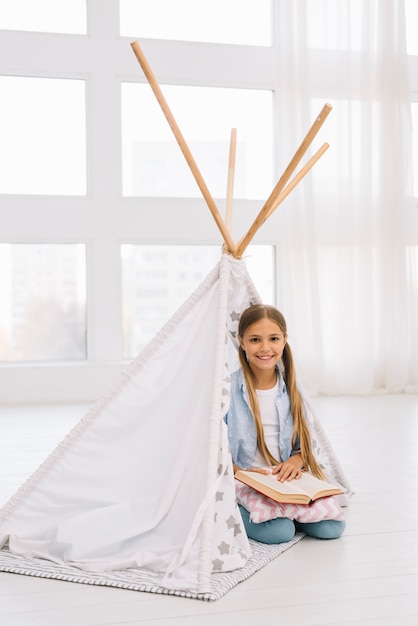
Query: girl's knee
x=327 y=529
x=279 y=530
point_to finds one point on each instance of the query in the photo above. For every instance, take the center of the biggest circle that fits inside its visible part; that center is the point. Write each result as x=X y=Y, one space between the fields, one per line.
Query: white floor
x=368 y=577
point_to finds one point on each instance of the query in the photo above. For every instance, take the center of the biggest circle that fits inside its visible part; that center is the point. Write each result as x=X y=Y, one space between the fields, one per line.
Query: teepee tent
x=141 y=494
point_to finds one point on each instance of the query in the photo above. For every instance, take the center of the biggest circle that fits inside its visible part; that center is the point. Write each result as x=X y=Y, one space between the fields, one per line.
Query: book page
x=307 y=484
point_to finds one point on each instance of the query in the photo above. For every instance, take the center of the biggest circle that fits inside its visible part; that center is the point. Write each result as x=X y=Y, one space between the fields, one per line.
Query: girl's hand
x=288 y=470
x=259 y=470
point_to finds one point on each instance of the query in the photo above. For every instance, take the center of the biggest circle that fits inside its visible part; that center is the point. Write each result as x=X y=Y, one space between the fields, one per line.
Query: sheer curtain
x=347 y=261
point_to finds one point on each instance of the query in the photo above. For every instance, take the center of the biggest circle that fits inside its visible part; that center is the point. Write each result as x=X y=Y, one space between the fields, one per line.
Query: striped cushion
x=262 y=508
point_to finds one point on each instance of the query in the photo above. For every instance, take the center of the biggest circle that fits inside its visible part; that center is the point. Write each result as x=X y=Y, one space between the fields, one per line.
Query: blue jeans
x=283 y=529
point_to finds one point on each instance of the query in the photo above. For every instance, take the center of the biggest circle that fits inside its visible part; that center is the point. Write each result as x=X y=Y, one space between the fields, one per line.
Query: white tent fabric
x=145 y=479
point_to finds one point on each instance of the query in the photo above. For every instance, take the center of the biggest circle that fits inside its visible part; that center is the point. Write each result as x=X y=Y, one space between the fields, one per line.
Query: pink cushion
x=262 y=508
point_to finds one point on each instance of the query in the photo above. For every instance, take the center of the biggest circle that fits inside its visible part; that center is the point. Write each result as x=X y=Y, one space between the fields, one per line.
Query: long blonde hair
x=250 y=316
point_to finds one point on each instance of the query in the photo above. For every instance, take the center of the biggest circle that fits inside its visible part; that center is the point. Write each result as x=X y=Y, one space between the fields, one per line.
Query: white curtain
x=347 y=253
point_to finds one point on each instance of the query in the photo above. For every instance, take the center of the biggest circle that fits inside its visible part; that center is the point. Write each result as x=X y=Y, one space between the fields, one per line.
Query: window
x=43 y=136
x=321 y=18
x=411 y=15
x=48 y=16
x=153 y=164
x=43 y=302
x=91 y=173
x=213 y=21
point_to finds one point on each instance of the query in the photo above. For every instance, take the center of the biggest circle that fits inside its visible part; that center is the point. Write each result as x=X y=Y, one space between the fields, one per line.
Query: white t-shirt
x=270 y=420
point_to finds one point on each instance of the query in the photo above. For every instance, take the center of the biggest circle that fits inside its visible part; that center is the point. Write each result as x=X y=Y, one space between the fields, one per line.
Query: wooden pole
x=296 y=180
x=183 y=145
x=278 y=199
x=275 y=194
x=231 y=176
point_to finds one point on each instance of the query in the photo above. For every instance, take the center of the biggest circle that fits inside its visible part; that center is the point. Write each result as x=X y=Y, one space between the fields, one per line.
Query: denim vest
x=242 y=433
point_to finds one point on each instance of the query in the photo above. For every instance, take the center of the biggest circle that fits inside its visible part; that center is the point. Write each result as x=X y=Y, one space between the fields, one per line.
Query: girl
x=267 y=429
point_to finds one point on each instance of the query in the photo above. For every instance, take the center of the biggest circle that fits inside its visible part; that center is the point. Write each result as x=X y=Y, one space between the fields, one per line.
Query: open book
x=297 y=491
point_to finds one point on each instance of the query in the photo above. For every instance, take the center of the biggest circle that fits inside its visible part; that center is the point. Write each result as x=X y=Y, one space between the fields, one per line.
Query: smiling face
x=263 y=343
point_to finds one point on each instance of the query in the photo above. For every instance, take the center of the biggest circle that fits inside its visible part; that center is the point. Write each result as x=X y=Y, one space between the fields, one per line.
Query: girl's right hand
x=258 y=470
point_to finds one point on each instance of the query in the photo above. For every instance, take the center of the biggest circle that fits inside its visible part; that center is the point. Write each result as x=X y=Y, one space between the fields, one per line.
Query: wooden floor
x=368 y=577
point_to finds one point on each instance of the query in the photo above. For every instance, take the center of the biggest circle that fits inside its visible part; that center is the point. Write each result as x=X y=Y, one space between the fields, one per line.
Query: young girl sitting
x=267 y=429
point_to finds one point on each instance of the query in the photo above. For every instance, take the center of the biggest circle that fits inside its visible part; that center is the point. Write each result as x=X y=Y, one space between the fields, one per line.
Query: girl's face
x=263 y=343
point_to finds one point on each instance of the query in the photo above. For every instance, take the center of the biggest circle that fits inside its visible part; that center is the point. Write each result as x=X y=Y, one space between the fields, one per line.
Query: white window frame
x=103 y=219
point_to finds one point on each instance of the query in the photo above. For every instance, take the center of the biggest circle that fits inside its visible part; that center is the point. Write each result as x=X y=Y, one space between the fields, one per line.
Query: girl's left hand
x=287 y=471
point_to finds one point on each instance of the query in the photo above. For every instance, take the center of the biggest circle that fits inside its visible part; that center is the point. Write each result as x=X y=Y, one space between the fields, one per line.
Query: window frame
x=104 y=219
